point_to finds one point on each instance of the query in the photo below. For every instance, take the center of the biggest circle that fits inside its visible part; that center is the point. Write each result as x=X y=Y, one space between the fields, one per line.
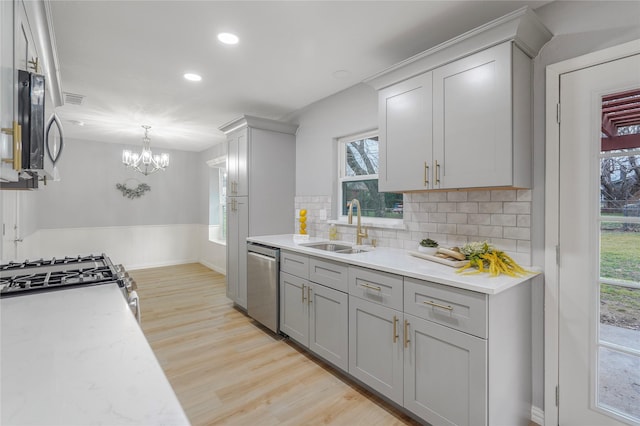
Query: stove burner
x=49 y=262
x=43 y=275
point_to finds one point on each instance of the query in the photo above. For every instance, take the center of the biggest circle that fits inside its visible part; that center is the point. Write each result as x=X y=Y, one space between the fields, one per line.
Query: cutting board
x=452 y=263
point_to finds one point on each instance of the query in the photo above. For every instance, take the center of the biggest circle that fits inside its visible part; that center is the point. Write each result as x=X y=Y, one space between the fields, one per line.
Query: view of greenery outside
x=620 y=241
x=360 y=169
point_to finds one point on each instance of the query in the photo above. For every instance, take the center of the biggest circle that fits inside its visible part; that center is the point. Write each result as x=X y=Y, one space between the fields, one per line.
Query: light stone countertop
x=397 y=261
x=78 y=357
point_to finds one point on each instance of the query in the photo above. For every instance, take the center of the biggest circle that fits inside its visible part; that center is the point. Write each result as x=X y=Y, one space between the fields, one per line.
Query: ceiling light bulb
x=228 y=38
x=192 y=77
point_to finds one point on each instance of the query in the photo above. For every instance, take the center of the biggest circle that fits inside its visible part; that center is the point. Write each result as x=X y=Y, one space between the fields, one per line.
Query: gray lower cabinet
x=445 y=374
x=316 y=317
x=375 y=347
x=328 y=319
x=294 y=310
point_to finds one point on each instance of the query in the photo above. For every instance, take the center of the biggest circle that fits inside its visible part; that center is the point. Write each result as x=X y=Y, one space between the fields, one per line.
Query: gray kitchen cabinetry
x=448 y=355
x=261 y=185
x=375 y=347
x=482 y=120
x=312 y=314
x=459 y=115
x=406 y=140
x=445 y=366
x=375 y=334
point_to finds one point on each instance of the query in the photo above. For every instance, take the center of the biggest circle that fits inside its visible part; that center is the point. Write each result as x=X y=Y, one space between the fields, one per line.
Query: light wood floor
x=225 y=369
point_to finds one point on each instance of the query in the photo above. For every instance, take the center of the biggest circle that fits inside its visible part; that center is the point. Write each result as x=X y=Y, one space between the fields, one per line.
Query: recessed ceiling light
x=192 y=77
x=228 y=38
x=77 y=122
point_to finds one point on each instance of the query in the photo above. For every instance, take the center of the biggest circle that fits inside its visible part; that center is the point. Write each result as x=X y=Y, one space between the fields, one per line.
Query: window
x=217 y=200
x=358 y=178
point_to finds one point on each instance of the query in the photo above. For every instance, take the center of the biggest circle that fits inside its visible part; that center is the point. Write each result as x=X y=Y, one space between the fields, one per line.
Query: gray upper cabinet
x=237 y=176
x=482 y=120
x=459 y=115
x=405 y=135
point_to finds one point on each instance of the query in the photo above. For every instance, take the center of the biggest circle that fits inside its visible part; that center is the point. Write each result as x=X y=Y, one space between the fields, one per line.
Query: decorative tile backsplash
x=501 y=217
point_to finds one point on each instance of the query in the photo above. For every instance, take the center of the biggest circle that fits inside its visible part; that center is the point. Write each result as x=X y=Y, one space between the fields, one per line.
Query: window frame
x=218 y=232
x=382 y=222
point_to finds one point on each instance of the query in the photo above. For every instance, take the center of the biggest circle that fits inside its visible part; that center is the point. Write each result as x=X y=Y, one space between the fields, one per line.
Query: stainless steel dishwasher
x=263 y=293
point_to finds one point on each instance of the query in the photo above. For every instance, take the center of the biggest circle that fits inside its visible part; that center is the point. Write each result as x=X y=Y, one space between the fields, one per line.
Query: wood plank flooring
x=226 y=369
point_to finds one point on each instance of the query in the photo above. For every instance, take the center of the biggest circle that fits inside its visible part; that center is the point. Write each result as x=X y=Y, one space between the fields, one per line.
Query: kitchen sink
x=336 y=248
x=328 y=246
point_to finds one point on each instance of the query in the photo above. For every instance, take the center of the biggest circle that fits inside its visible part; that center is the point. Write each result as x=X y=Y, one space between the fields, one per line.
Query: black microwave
x=31 y=96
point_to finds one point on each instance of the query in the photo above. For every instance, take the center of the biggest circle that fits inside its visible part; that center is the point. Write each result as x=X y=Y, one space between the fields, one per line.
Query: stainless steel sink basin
x=336 y=248
x=328 y=246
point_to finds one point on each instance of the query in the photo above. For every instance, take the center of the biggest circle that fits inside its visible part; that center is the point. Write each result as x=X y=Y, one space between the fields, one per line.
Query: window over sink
x=358 y=178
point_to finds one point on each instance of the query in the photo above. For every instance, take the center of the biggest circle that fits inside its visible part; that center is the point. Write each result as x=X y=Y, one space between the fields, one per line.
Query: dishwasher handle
x=261 y=256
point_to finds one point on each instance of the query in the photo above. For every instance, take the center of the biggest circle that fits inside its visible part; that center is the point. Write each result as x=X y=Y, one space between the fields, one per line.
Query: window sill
x=396 y=224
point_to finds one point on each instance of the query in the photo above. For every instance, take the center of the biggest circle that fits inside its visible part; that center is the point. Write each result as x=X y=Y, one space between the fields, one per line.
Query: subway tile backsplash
x=501 y=217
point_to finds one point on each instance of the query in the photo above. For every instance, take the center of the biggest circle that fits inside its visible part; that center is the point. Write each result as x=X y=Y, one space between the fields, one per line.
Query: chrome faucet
x=359 y=229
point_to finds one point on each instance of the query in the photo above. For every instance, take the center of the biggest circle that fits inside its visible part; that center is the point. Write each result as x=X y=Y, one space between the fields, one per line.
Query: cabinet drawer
x=377 y=287
x=294 y=264
x=331 y=274
x=460 y=309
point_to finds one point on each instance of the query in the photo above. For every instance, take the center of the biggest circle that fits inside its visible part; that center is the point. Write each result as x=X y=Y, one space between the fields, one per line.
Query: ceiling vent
x=73 y=99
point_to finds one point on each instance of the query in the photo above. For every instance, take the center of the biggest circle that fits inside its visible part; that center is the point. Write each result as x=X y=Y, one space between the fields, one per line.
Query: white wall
x=85 y=213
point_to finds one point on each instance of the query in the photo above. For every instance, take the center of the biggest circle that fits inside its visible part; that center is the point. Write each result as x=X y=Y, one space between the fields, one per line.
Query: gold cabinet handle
x=426 y=174
x=17 y=146
x=395 y=329
x=406 y=334
x=308 y=295
x=437 y=173
x=303 y=299
x=372 y=287
x=437 y=305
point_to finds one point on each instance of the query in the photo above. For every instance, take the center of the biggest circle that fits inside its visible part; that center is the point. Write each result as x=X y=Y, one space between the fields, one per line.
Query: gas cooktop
x=53 y=274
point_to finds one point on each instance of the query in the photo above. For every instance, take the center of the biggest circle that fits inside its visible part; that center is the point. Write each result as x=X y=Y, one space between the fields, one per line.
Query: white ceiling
x=128 y=58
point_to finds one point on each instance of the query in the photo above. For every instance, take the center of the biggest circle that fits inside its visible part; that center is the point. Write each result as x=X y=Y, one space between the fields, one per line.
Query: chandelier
x=145 y=162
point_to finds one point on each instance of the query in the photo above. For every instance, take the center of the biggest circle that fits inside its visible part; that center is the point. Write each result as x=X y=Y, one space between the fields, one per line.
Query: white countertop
x=399 y=262
x=78 y=357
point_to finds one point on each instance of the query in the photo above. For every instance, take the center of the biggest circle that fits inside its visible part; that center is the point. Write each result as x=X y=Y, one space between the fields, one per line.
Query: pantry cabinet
x=237 y=151
x=260 y=157
x=238 y=227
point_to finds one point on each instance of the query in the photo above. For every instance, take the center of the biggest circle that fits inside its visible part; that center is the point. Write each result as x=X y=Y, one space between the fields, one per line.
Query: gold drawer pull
x=395 y=329
x=436 y=305
x=406 y=334
x=303 y=299
x=372 y=287
x=308 y=295
x=437 y=171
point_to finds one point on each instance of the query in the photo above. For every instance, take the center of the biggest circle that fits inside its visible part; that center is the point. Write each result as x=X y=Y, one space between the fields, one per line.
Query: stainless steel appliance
x=35 y=276
x=263 y=293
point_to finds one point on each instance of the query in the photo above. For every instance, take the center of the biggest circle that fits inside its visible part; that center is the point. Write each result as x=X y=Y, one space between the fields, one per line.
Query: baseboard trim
x=537 y=415
x=213 y=267
x=161 y=264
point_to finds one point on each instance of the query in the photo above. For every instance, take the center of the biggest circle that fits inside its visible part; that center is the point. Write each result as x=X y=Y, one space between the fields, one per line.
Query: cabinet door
x=472 y=120
x=237 y=156
x=294 y=310
x=237 y=233
x=445 y=374
x=328 y=325
x=405 y=135
x=375 y=351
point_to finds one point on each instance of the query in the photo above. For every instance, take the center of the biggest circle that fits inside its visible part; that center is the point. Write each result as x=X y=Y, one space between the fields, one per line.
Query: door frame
x=552 y=205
